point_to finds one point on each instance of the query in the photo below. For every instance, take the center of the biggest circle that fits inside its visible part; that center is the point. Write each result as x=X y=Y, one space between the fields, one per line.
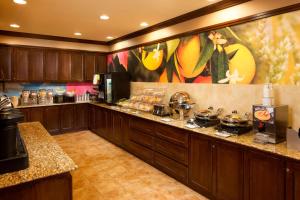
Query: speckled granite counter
x=46 y=158
x=245 y=139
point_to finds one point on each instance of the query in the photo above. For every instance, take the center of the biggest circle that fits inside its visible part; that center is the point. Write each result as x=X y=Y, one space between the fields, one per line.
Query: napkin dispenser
x=293 y=139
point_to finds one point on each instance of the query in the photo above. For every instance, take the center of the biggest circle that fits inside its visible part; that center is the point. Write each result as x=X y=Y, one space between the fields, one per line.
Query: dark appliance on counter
x=13 y=153
x=58 y=98
x=270 y=123
x=208 y=117
x=116 y=87
x=69 y=97
x=99 y=87
x=235 y=123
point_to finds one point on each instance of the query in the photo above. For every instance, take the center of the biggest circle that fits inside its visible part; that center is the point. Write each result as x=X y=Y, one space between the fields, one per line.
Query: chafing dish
x=180 y=104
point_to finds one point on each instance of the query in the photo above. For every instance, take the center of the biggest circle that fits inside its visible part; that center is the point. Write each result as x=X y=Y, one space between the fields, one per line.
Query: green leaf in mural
x=219 y=65
x=171 y=47
x=170 y=70
x=229 y=34
x=206 y=54
x=222 y=64
x=232 y=54
x=159 y=46
x=176 y=65
x=214 y=67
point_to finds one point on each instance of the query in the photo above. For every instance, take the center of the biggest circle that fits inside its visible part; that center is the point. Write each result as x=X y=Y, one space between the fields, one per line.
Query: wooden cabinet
x=92 y=117
x=52 y=119
x=117 y=128
x=81 y=116
x=39 y=64
x=36 y=115
x=5 y=63
x=64 y=66
x=200 y=165
x=228 y=171
x=90 y=66
x=101 y=63
x=67 y=118
x=77 y=72
x=100 y=122
x=36 y=64
x=20 y=63
x=171 y=167
x=293 y=180
x=51 y=65
x=264 y=177
x=26 y=113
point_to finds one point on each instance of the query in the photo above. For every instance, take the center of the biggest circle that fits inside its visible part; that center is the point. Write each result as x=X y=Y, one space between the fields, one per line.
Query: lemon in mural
x=187 y=54
x=164 y=78
x=243 y=63
x=152 y=60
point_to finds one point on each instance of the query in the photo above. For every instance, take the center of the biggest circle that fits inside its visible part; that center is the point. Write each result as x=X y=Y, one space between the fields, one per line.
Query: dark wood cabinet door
x=36 y=65
x=77 y=66
x=200 y=165
x=67 y=118
x=25 y=112
x=100 y=122
x=64 y=66
x=264 y=177
x=81 y=116
x=117 y=133
x=92 y=112
x=20 y=64
x=51 y=65
x=228 y=171
x=101 y=63
x=293 y=181
x=52 y=119
x=90 y=66
x=37 y=115
x=5 y=63
x=171 y=167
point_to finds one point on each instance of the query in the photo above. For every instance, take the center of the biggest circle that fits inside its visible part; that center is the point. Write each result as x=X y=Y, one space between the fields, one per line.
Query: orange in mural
x=262 y=51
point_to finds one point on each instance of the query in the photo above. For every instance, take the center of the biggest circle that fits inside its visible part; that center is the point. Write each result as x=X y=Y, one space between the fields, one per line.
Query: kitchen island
x=48 y=175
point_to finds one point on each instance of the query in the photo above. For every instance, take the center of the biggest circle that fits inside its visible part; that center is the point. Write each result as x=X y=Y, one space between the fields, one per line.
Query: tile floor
x=107 y=172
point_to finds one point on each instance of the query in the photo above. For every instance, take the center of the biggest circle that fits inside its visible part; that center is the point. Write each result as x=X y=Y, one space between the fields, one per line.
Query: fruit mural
x=262 y=51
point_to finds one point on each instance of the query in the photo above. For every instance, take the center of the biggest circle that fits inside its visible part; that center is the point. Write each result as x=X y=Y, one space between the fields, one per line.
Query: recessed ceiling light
x=77 y=33
x=14 y=25
x=104 y=17
x=109 y=37
x=20 y=2
x=144 y=24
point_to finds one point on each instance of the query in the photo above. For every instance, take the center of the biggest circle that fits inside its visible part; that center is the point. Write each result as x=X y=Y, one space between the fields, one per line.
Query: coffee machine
x=99 y=87
x=270 y=123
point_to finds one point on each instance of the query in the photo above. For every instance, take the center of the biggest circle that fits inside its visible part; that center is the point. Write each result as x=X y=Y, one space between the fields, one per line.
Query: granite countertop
x=54 y=104
x=46 y=158
x=245 y=139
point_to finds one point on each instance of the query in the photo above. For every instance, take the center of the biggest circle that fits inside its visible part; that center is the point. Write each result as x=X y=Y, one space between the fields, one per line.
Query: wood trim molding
x=181 y=18
x=54 y=48
x=258 y=16
x=50 y=37
x=185 y=17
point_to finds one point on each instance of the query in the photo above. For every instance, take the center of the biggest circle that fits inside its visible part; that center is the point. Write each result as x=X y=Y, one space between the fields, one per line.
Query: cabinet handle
x=288 y=170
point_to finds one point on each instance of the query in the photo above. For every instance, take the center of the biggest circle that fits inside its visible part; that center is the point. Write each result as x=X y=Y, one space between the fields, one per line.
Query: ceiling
x=64 y=17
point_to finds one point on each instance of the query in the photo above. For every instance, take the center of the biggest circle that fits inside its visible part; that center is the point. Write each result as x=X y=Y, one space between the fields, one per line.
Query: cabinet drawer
x=141 y=138
x=142 y=125
x=171 y=150
x=171 y=134
x=142 y=152
x=171 y=167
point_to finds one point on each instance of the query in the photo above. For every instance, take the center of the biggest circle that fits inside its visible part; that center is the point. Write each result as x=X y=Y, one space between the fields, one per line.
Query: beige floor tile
x=107 y=172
